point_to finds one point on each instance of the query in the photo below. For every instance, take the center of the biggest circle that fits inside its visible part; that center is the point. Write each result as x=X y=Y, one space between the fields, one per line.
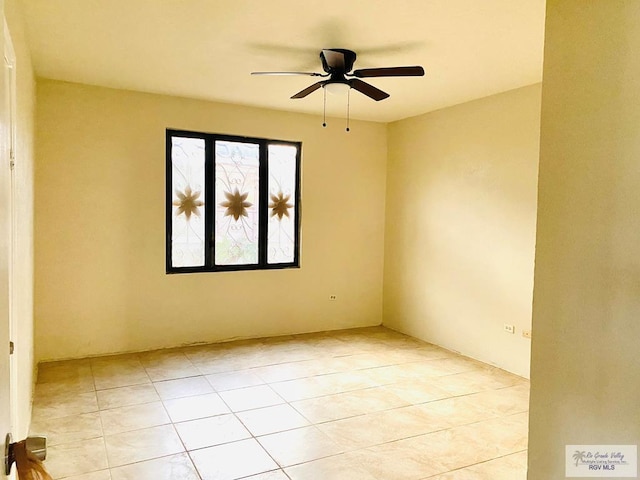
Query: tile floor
x=359 y=404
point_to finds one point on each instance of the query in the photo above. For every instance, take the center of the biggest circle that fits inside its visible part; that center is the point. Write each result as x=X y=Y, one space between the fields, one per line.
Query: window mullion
x=264 y=205
x=210 y=196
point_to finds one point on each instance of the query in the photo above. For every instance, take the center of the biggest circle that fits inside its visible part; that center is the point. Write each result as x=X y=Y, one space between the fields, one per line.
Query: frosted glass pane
x=236 y=216
x=282 y=198
x=187 y=184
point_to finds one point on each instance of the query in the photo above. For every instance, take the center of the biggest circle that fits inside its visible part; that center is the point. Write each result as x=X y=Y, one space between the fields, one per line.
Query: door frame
x=10 y=64
x=8 y=367
x=5 y=400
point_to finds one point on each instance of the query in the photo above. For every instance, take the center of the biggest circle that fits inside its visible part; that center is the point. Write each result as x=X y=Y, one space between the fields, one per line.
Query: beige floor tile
x=167 y=365
x=401 y=409
x=442 y=451
x=113 y=363
x=503 y=378
x=183 y=387
x=118 y=371
x=473 y=382
x=62 y=387
x=201 y=354
x=436 y=368
x=68 y=429
x=251 y=397
x=133 y=417
x=300 y=389
x=70 y=372
x=217 y=359
x=141 y=445
x=431 y=352
x=506 y=435
x=296 y=370
x=277 y=418
x=510 y=467
x=417 y=392
x=460 y=364
x=114 y=377
x=232 y=380
x=505 y=401
x=119 y=360
x=300 y=445
x=407 y=458
x=403 y=354
x=99 y=475
x=273 y=354
x=397 y=461
x=173 y=467
x=47 y=405
x=273 y=475
x=457 y=411
x=232 y=460
x=215 y=365
x=339 y=467
x=211 y=350
x=76 y=458
x=344 y=382
x=381 y=427
x=126 y=396
x=361 y=361
x=348 y=404
x=199 y=406
x=391 y=374
x=211 y=431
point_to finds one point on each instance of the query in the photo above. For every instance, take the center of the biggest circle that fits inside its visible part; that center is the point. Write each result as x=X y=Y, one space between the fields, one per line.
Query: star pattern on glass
x=188 y=203
x=236 y=204
x=279 y=205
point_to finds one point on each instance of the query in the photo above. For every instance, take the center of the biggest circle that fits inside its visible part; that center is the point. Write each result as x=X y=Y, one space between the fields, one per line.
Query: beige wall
x=101 y=285
x=585 y=377
x=23 y=257
x=460 y=227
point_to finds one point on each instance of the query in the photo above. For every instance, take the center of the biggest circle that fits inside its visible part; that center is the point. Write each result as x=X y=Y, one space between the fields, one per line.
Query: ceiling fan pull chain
x=348 y=106
x=324 y=107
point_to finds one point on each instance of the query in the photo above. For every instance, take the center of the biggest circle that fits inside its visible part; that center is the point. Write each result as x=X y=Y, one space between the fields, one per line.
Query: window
x=233 y=203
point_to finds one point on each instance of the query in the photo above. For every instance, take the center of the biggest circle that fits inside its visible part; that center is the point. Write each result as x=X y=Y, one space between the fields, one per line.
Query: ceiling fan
x=337 y=64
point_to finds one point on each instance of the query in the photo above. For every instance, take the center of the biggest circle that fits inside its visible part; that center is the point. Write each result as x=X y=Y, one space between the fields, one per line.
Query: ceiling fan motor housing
x=337 y=60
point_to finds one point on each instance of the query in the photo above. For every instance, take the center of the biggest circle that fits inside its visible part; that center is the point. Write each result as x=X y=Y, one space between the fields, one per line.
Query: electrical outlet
x=333 y=297
x=526 y=333
x=509 y=328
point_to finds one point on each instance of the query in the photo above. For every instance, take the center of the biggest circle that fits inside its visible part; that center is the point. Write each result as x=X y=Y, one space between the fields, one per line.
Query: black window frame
x=209 y=198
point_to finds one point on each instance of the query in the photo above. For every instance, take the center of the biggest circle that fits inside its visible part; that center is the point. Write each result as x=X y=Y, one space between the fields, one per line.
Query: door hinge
x=12 y=159
x=11 y=348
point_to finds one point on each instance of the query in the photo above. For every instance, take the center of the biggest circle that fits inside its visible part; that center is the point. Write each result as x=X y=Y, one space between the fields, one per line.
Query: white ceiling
x=207 y=48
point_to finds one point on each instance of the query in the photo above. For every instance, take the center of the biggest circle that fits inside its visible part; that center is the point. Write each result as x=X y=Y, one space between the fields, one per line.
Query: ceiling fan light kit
x=337 y=64
x=337 y=88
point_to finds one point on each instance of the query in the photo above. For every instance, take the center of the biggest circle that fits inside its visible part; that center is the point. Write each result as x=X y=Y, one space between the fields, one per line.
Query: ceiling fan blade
x=369 y=90
x=309 y=74
x=415 y=71
x=308 y=90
